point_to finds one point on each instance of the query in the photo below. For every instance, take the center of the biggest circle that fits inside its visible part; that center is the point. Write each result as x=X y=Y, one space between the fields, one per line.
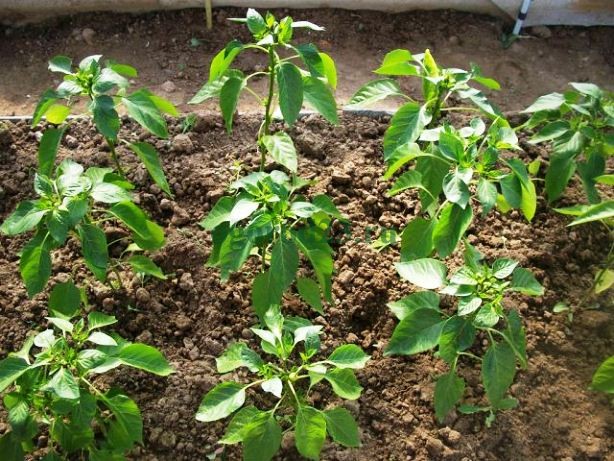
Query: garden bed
x=192 y=316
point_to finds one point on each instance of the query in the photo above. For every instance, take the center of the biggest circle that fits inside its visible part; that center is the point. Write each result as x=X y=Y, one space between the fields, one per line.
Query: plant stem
x=111 y=145
x=269 y=102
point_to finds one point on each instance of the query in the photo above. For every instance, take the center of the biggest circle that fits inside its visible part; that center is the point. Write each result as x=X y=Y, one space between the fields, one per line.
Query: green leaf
x=142 y=109
x=457 y=335
x=219 y=214
x=525 y=282
x=97 y=320
x=238 y=355
x=48 y=98
x=405 y=126
x=126 y=428
x=229 y=97
x=164 y=105
x=528 y=202
x=450 y=228
x=348 y=356
x=209 y=90
x=419 y=331
x=147 y=234
x=426 y=272
x=151 y=159
x=143 y=265
x=607 y=179
x=487 y=195
x=603 y=379
x=106 y=118
x=514 y=333
x=145 y=358
x=102 y=339
x=63 y=384
x=11 y=368
x=503 y=267
x=11 y=448
x=57 y=113
x=328 y=67
x=498 y=371
x=312 y=59
x=449 y=389
x=455 y=189
x=223 y=59
x=310 y=293
x=319 y=96
x=290 y=85
x=64 y=300
x=255 y=22
x=599 y=212
x=281 y=147
x=312 y=242
x=604 y=279
x=551 y=131
x=94 y=248
x=373 y=92
x=48 y=149
x=309 y=432
x=106 y=192
x=589 y=89
x=239 y=424
x=221 y=401
x=262 y=439
x=61 y=64
x=411 y=179
x=234 y=251
x=26 y=217
x=417 y=239
x=35 y=266
x=550 y=101
x=342 y=427
x=344 y=383
x=421 y=300
x=397 y=62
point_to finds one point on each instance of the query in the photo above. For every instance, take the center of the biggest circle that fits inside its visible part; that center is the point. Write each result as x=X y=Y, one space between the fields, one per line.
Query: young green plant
x=105 y=88
x=290 y=378
x=75 y=203
x=267 y=216
x=289 y=85
x=52 y=388
x=480 y=292
x=579 y=126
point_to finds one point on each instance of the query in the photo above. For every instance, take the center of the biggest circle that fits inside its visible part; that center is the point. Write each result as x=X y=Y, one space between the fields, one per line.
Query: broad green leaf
x=603 y=379
x=325 y=203
x=451 y=146
x=237 y=428
x=95 y=250
x=126 y=427
x=319 y=96
x=63 y=384
x=455 y=190
x=108 y=80
x=449 y=389
x=164 y=105
x=312 y=59
x=151 y=159
x=281 y=147
x=62 y=64
x=57 y=113
x=11 y=448
x=450 y=228
x=222 y=60
x=457 y=335
x=397 y=62
x=64 y=300
x=143 y=265
x=551 y=131
x=310 y=293
x=344 y=383
x=307 y=25
x=62 y=324
x=35 y=266
x=419 y=331
x=375 y=91
x=229 y=97
x=238 y=355
x=525 y=282
x=97 y=320
x=11 y=368
x=209 y=90
x=487 y=195
x=274 y=386
x=290 y=85
x=417 y=239
x=589 y=89
x=106 y=118
x=405 y=126
x=144 y=111
x=26 y=217
x=221 y=401
x=147 y=234
x=514 y=333
x=329 y=68
x=234 y=251
x=604 y=279
x=48 y=98
x=528 y=202
x=498 y=371
x=607 y=179
x=145 y=358
x=48 y=149
x=309 y=432
x=262 y=439
x=312 y=242
x=219 y=214
x=102 y=339
x=241 y=210
x=468 y=305
x=255 y=22
x=411 y=179
x=420 y=300
x=426 y=272
x=106 y=192
x=348 y=356
x=342 y=427
x=599 y=212
x=503 y=267
x=550 y=101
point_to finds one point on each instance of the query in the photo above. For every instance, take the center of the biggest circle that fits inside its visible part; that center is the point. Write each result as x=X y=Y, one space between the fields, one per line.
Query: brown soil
x=192 y=316
x=159 y=46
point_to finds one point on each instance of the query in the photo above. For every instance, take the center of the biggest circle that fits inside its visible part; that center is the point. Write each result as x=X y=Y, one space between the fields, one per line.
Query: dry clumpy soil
x=192 y=317
x=172 y=50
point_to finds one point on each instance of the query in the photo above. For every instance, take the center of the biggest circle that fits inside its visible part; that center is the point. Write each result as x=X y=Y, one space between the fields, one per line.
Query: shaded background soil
x=160 y=46
x=192 y=317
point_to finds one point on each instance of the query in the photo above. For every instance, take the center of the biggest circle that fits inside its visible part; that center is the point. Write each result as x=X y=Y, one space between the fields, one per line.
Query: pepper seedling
x=288 y=84
x=480 y=292
x=75 y=203
x=105 y=88
x=52 y=387
x=290 y=379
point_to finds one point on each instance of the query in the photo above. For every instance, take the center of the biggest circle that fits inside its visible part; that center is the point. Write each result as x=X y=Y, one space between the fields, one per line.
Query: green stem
x=269 y=102
x=111 y=145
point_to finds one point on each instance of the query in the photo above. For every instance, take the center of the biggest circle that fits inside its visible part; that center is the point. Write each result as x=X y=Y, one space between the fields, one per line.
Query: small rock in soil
x=182 y=144
x=185 y=282
x=541 y=31
x=434 y=446
x=183 y=322
x=346 y=277
x=341 y=179
x=166 y=205
x=71 y=141
x=5 y=135
x=88 y=35
x=168 y=439
x=142 y=296
x=168 y=87
x=145 y=337
x=180 y=217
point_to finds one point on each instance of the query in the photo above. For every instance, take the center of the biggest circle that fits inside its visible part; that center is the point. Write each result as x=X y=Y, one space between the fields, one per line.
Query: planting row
x=269 y=215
